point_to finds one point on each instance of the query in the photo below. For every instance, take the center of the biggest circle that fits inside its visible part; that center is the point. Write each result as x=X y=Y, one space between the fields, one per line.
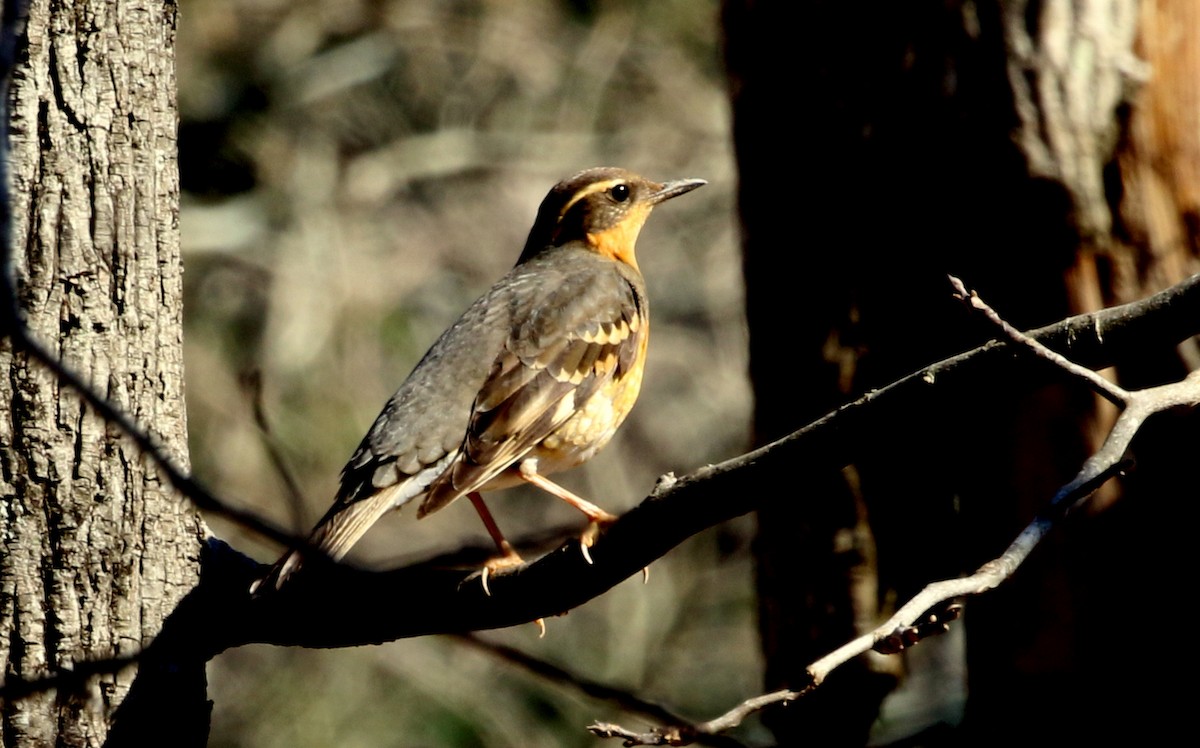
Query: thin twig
x=358 y=607
x=150 y=447
x=928 y=613
x=1107 y=461
x=622 y=698
x=734 y=717
x=682 y=733
x=252 y=384
x=1105 y=388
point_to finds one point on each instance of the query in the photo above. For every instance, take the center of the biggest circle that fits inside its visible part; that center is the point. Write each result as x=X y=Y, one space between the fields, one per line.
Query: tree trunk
x=97 y=551
x=888 y=145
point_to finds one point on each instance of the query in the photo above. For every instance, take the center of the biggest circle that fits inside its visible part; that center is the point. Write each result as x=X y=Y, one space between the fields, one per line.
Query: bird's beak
x=674 y=189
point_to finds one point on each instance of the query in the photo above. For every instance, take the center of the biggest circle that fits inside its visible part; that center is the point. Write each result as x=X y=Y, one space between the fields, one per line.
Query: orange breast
x=584 y=434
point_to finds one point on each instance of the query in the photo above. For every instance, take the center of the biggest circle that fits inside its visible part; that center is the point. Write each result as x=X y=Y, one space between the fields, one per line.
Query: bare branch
x=187 y=486
x=1110 y=391
x=252 y=385
x=624 y=699
x=734 y=717
x=656 y=736
x=928 y=613
x=936 y=621
x=680 y=733
x=1106 y=462
x=331 y=605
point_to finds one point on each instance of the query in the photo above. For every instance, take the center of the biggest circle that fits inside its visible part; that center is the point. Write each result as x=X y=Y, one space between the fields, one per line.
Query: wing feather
x=550 y=366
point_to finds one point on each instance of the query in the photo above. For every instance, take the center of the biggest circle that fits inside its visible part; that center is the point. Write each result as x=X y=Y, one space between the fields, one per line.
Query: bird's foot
x=507 y=561
x=599 y=524
x=502 y=564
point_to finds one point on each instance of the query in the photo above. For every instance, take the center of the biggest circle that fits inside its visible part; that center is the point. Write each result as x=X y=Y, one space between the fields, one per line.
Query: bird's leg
x=508 y=557
x=597 y=516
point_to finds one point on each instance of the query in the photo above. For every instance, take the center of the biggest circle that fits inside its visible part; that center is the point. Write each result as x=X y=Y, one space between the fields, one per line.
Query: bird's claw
x=592 y=534
x=499 y=565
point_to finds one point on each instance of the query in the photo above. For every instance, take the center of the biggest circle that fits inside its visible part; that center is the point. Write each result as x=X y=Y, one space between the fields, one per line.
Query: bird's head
x=602 y=209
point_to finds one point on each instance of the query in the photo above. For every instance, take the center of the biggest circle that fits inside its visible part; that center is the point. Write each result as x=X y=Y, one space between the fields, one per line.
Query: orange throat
x=618 y=242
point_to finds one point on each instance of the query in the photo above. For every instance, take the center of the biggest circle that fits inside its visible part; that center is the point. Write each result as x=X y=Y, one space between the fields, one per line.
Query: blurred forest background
x=354 y=175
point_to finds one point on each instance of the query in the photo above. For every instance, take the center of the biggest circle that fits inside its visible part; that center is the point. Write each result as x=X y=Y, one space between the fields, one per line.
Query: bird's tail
x=334 y=535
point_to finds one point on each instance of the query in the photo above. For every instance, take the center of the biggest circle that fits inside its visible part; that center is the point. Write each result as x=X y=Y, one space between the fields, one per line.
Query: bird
x=534 y=378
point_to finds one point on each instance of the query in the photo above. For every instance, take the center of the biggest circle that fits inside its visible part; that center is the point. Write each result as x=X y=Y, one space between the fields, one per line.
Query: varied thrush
x=534 y=378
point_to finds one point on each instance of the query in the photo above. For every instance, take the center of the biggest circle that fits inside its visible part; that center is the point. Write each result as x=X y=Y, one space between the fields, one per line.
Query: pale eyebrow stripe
x=590 y=190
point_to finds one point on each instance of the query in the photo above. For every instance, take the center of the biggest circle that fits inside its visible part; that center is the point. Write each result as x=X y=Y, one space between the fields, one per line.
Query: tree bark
x=991 y=140
x=97 y=551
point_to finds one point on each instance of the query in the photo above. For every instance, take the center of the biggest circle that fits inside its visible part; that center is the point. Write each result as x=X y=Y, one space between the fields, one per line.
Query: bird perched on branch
x=534 y=378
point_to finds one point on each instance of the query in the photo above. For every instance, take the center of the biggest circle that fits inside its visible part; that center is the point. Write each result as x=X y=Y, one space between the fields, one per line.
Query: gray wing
x=582 y=334
x=487 y=391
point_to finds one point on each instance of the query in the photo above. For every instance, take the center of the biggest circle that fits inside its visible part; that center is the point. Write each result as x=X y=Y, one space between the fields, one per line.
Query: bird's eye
x=620 y=193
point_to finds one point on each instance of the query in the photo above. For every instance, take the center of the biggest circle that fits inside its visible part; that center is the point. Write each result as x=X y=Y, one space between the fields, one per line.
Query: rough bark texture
x=1158 y=226
x=96 y=551
x=1071 y=67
